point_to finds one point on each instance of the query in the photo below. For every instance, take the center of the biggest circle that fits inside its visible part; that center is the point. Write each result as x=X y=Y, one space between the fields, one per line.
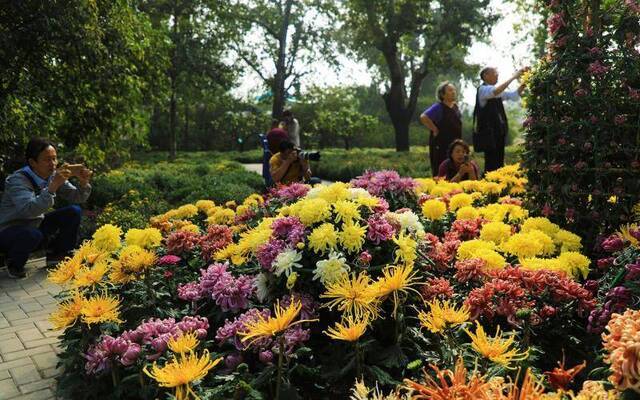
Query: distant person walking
x=489 y=118
x=292 y=126
x=445 y=123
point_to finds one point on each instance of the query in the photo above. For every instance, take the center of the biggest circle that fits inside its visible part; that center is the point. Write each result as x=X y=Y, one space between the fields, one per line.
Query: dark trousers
x=494 y=158
x=62 y=225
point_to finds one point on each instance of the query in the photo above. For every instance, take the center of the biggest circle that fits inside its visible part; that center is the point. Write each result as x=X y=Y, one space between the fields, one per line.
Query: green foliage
x=407 y=40
x=129 y=196
x=341 y=165
x=81 y=73
x=583 y=136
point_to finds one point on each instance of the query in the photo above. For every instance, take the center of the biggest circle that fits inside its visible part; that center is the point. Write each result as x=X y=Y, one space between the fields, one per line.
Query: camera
x=308 y=155
x=466 y=158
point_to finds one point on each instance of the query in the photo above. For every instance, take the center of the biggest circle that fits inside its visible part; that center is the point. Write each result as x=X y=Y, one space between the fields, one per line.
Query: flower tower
x=582 y=133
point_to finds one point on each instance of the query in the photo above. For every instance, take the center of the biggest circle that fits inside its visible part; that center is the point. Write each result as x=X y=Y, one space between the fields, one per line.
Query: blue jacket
x=20 y=205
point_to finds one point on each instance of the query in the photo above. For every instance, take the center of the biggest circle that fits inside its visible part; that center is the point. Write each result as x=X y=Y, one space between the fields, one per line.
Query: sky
x=500 y=51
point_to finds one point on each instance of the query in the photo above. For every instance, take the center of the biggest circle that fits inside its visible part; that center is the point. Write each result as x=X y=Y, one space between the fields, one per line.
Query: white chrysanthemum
x=358 y=193
x=332 y=269
x=314 y=192
x=262 y=286
x=409 y=222
x=286 y=261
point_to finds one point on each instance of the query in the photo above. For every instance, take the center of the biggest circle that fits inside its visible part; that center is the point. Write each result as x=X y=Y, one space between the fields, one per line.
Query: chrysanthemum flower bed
x=413 y=286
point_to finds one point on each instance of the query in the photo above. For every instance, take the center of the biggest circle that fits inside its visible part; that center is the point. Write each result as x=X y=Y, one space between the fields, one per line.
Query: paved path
x=28 y=346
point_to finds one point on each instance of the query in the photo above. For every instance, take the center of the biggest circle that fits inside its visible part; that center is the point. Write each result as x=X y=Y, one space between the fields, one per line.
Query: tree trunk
x=173 y=75
x=400 y=118
x=185 y=136
x=279 y=79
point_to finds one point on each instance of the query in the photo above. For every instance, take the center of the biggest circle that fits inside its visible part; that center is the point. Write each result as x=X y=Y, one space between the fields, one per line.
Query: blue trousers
x=59 y=230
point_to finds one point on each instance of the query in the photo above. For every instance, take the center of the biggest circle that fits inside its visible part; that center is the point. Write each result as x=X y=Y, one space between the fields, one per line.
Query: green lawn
x=342 y=165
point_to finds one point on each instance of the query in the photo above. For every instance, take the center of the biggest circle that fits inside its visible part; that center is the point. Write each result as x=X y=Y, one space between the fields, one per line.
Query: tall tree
x=405 y=40
x=283 y=38
x=81 y=73
x=198 y=33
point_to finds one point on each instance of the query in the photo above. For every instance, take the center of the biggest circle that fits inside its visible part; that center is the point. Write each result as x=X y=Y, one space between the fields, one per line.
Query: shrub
x=582 y=137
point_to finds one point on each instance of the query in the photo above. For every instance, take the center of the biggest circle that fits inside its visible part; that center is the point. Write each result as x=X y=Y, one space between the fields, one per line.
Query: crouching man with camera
x=25 y=224
x=288 y=165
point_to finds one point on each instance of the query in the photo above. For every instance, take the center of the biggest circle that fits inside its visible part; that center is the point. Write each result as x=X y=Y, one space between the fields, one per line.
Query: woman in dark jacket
x=445 y=123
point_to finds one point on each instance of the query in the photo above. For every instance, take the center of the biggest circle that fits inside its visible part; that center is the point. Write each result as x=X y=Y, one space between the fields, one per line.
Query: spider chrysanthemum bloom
x=86 y=277
x=497 y=349
x=442 y=315
x=406 y=249
x=180 y=372
x=99 y=309
x=352 y=295
x=273 y=325
x=67 y=312
x=350 y=329
x=395 y=281
x=65 y=271
x=451 y=385
x=185 y=343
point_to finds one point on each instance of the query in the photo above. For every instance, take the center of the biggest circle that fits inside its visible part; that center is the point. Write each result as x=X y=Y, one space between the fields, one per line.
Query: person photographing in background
x=29 y=193
x=458 y=166
x=287 y=166
x=490 y=124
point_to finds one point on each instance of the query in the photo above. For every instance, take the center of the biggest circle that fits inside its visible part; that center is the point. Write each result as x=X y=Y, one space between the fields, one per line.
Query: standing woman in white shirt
x=490 y=125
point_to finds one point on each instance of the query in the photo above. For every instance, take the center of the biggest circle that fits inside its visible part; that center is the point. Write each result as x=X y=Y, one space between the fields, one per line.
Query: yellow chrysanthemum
x=467 y=249
x=205 y=205
x=100 y=308
x=107 y=238
x=575 y=264
x=460 y=200
x=132 y=262
x=221 y=216
x=442 y=315
x=184 y=343
x=523 y=245
x=395 y=281
x=65 y=271
x=311 y=211
x=186 y=211
x=188 y=227
x=352 y=296
x=180 y=372
x=346 y=211
x=352 y=236
x=625 y=233
x=491 y=258
x=424 y=185
x=334 y=192
x=323 y=238
x=496 y=232
x=86 y=277
x=369 y=202
x=273 y=325
x=145 y=238
x=497 y=349
x=349 y=330
x=406 y=251
x=68 y=311
x=541 y=224
x=548 y=246
x=253 y=200
x=467 y=213
x=433 y=209
x=567 y=241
